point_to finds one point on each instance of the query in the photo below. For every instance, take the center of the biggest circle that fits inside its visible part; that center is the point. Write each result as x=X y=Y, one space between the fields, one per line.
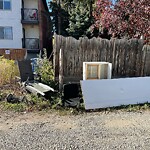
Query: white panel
x=95 y=63
x=115 y=92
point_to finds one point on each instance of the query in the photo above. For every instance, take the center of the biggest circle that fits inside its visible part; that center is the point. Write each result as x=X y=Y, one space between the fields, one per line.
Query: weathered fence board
x=15 y=54
x=129 y=58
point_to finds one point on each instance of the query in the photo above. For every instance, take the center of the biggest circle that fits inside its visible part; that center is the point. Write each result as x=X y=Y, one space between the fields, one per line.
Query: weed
x=66 y=111
x=17 y=107
x=145 y=106
x=37 y=103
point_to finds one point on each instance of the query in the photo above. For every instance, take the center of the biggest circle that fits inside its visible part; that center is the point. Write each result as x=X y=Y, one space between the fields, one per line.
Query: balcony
x=29 y=16
x=31 y=44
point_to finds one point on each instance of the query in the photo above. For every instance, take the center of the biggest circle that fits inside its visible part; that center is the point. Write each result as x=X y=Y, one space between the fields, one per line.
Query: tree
x=60 y=18
x=128 y=18
x=67 y=4
x=72 y=17
x=80 y=18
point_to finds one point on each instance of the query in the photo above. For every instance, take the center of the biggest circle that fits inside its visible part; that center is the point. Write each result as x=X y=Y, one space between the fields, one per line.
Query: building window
x=6 y=33
x=5 y=4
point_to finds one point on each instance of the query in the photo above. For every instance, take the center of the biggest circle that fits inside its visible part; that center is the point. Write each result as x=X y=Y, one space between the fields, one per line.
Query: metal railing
x=31 y=43
x=29 y=15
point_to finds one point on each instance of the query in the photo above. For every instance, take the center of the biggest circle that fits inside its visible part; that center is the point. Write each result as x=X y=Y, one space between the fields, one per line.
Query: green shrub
x=45 y=70
x=8 y=71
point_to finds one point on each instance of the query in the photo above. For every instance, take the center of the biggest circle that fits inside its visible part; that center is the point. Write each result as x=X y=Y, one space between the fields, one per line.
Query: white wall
x=31 y=31
x=12 y=18
x=31 y=4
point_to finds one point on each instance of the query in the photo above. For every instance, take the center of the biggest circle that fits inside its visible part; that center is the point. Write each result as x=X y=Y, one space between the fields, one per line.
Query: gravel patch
x=89 y=131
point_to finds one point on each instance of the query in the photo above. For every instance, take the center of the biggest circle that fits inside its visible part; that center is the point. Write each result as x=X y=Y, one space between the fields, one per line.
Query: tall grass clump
x=8 y=71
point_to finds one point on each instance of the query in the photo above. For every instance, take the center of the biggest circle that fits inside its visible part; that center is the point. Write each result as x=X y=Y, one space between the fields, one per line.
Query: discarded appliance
x=115 y=92
x=96 y=70
x=71 y=95
x=27 y=79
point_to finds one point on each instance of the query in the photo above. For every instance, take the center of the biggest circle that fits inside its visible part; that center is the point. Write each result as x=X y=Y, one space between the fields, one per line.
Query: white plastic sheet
x=115 y=92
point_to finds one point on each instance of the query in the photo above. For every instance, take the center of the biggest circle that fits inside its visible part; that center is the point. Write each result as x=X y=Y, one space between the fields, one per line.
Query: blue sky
x=47 y=0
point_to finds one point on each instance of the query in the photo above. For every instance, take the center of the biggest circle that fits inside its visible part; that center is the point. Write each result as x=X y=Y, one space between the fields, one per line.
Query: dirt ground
x=89 y=131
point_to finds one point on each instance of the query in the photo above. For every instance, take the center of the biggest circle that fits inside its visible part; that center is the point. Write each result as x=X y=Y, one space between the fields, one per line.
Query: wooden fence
x=15 y=54
x=129 y=58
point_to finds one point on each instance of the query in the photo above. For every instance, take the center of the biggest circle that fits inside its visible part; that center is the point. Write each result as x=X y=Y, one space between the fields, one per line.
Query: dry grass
x=8 y=71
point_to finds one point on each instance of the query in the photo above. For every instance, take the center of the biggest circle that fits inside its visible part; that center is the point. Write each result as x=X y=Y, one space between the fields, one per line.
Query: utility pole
x=59 y=17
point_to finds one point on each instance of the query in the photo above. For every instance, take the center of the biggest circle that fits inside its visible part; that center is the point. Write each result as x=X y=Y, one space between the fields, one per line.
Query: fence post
x=54 y=55
x=145 y=62
x=60 y=70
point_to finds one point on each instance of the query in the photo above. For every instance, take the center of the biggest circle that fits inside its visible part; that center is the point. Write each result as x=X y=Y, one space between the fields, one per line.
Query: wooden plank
x=146 y=60
x=115 y=92
x=14 y=54
x=60 y=70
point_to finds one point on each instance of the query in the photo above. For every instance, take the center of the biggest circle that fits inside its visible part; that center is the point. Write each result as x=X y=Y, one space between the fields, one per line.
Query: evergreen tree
x=60 y=18
x=80 y=19
x=72 y=17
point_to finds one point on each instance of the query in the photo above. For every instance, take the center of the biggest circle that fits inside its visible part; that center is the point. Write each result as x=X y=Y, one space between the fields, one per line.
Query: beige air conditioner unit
x=96 y=70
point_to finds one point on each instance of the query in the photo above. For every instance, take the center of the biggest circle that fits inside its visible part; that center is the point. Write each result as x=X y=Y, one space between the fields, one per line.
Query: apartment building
x=24 y=24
